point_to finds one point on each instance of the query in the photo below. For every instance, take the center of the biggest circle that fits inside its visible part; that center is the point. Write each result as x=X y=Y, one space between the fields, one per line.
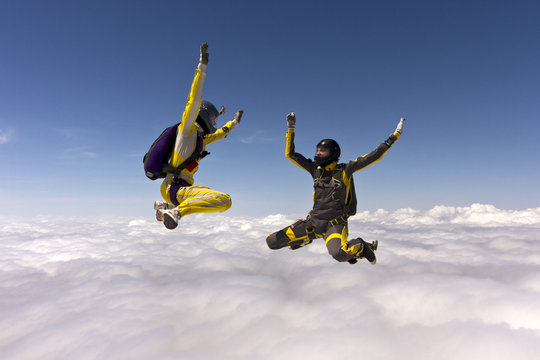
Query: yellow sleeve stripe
x=194 y=102
x=288 y=137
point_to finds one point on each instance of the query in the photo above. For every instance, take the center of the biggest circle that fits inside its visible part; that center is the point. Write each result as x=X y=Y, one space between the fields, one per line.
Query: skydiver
x=334 y=199
x=194 y=133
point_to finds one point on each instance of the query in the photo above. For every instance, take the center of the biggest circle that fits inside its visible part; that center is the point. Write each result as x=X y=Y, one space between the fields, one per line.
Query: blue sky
x=87 y=86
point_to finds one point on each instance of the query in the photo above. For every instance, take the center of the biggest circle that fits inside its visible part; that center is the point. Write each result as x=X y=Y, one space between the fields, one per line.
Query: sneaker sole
x=169 y=222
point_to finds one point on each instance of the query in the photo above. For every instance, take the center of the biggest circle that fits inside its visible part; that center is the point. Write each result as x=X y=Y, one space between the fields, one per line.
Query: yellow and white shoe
x=160 y=207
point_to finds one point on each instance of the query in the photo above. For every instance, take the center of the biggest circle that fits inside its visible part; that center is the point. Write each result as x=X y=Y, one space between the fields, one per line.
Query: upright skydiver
x=334 y=199
x=196 y=130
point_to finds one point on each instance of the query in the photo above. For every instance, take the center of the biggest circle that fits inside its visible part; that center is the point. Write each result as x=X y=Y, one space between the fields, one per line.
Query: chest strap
x=198 y=154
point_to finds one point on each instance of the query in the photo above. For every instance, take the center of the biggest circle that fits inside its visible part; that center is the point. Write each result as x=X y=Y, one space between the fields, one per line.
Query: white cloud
x=5 y=136
x=85 y=152
x=450 y=283
x=476 y=214
x=257 y=137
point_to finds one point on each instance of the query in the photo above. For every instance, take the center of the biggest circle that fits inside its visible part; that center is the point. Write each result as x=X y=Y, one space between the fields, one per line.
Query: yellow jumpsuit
x=194 y=199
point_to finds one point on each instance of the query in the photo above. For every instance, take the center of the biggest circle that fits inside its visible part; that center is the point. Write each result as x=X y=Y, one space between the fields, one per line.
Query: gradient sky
x=86 y=86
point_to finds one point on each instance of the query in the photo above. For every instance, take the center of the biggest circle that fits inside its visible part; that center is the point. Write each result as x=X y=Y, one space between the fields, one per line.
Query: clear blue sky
x=86 y=86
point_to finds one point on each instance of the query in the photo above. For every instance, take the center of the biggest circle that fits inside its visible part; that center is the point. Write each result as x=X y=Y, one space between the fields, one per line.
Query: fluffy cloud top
x=450 y=283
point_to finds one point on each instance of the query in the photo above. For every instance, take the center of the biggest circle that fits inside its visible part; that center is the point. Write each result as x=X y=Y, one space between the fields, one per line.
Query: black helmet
x=334 y=152
x=205 y=113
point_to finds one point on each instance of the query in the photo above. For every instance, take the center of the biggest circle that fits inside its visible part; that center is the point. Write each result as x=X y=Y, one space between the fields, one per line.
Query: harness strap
x=197 y=154
x=334 y=184
x=310 y=232
x=341 y=219
x=172 y=194
x=336 y=181
x=176 y=184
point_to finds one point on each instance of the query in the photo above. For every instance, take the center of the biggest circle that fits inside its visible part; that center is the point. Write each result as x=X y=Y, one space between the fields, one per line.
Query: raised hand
x=399 y=128
x=204 y=54
x=237 y=117
x=291 y=120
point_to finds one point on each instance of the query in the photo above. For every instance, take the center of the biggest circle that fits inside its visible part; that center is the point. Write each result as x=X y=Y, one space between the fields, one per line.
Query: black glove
x=204 y=54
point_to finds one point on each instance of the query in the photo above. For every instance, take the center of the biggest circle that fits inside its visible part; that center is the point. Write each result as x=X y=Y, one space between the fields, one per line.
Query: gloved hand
x=204 y=54
x=392 y=139
x=399 y=128
x=237 y=117
x=291 y=120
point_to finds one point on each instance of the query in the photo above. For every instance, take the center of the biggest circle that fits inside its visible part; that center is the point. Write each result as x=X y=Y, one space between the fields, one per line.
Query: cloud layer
x=450 y=283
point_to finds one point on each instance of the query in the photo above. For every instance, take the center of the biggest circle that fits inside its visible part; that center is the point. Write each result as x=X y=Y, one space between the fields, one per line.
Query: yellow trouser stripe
x=333 y=236
x=201 y=199
x=352 y=250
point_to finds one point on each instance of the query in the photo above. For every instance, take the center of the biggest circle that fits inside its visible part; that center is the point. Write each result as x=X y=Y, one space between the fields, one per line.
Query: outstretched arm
x=187 y=126
x=290 y=154
x=195 y=94
x=224 y=131
x=377 y=154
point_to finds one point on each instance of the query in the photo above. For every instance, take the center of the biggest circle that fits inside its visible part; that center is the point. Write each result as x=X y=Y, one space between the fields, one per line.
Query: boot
x=367 y=251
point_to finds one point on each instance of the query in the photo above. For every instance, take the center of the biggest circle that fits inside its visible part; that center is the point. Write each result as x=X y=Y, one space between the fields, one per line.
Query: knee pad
x=335 y=249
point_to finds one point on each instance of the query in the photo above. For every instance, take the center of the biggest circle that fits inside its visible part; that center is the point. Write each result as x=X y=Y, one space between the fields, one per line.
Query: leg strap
x=176 y=183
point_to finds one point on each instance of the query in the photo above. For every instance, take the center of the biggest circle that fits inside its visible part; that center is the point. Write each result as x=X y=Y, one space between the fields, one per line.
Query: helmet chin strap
x=322 y=162
x=200 y=129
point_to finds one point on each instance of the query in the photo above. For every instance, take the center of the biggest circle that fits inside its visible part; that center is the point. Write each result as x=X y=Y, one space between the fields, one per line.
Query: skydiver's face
x=322 y=153
x=213 y=120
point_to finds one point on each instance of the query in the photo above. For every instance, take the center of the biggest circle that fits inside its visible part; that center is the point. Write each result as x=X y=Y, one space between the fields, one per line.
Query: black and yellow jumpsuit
x=328 y=218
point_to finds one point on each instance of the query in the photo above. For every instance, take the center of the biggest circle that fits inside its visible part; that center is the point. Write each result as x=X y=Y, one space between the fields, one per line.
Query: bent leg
x=338 y=246
x=294 y=236
x=201 y=199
